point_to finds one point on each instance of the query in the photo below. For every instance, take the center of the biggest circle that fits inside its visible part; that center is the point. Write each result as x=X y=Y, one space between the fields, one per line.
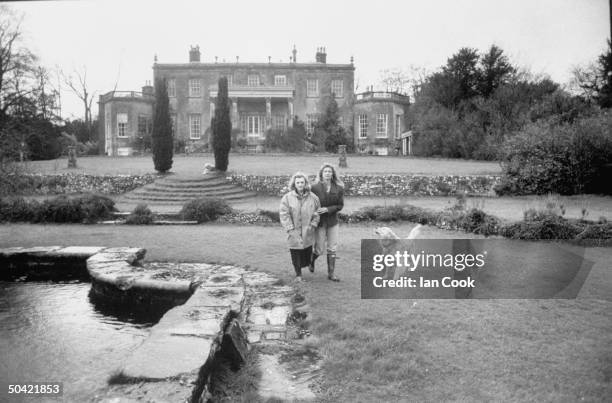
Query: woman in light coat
x=299 y=217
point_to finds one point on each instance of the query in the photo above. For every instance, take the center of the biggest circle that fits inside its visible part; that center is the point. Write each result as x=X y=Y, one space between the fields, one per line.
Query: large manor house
x=263 y=96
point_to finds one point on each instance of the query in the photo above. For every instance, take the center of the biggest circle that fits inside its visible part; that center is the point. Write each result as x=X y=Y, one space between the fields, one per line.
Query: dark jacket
x=334 y=201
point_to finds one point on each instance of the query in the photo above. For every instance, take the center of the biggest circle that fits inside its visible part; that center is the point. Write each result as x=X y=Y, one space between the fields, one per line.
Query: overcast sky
x=116 y=40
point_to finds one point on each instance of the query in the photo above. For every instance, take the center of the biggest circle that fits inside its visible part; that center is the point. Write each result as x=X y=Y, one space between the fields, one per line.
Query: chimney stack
x=321 y=55
x=194 y=54
x=147 y=89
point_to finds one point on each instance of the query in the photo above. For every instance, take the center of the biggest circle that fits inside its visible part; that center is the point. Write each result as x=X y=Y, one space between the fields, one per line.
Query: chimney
x=294 y=52
x=194 y=54
x=147 y=89
x=321 y=56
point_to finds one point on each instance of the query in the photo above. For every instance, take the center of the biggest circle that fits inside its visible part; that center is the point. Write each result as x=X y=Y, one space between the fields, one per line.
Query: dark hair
x=335 y=179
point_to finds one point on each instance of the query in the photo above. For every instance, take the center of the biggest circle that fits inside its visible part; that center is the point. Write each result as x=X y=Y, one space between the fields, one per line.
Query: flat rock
x=165 y=355
x=230 y=297
x=83 y=252
x=258 y=279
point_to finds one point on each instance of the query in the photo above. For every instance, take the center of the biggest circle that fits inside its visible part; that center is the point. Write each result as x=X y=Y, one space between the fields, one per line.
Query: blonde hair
x=334 y=179
x=299 y=175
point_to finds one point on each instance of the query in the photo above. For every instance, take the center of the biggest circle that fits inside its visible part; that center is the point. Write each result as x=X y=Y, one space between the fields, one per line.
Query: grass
x=401 y=350
x=270 y=164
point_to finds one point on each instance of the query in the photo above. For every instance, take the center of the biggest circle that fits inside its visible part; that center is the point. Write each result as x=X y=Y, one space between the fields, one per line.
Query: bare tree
x=16 y=63
x=403 y=80
x=77 y=82
x=586 y=81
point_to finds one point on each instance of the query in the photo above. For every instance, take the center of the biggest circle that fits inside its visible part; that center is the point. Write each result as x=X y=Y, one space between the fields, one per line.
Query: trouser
x=326 y=240
x=300 y=258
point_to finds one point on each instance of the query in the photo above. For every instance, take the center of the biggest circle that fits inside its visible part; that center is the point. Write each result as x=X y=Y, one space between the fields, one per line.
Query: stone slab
x=258 y=279
x=165 y=356
x=231 y=297
x=83 y=252
x=276 y=315
x=33 y=251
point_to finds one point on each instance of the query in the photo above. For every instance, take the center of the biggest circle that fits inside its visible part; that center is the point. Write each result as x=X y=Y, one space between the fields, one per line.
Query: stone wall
x=42 y=184
x=382 y=185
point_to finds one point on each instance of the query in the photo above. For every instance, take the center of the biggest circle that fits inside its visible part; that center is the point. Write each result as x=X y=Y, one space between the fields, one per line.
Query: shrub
x=95 y=207
x=17 y=209
x=556 y=157
x=141 y=215
x=543 y=227
x=596 y=231
x=60 y=210
x=88 y=208
x=205 y=209
x=273 y=215
x=477 y=221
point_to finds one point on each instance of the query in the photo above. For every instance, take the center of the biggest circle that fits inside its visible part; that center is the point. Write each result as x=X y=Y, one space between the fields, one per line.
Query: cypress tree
x=161 y=136
x=221 y=125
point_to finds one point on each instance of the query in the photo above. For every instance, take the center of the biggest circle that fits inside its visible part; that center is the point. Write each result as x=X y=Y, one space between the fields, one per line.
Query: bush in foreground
x=141 y=215
x=84 y=209
x=205 y=209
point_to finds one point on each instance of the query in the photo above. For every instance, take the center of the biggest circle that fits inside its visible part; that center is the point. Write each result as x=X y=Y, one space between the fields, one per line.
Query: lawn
x=402 y=350
x=274 y=164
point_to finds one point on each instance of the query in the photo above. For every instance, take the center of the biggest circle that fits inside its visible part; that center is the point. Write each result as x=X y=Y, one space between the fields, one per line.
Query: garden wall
x=382 y=185
x=41 y=184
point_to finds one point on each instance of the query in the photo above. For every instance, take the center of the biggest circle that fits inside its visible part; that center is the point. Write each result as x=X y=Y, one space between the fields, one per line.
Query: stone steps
x=191 y=190
x=178 y=189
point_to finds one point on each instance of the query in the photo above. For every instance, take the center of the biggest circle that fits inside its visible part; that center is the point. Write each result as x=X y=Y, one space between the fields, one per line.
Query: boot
x=312 y=262
x=298 y=271
x=331 y=266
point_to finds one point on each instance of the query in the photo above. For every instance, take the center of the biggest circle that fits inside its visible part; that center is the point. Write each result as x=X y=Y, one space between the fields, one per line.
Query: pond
x=55 y=332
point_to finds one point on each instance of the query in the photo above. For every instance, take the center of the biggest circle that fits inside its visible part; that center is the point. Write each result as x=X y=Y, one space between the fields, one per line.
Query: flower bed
x=42 y=184
x=381 y=185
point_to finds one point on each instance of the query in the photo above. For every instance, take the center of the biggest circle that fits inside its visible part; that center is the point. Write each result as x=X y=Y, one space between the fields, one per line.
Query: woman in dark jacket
x=330 y=191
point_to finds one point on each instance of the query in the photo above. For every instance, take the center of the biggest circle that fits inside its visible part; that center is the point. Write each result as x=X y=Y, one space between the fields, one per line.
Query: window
x=337 y=88
x=312 y=88
x=398 y=126
x=311 y=121
x=122 y=124
x=195 y=88
x=278 y=122
x=144 y=126
x=253 y=125
x=280 y=80
x=363 y=126
x=230 y=80
x=381 y=125
x=171 y=84
x=253 y=80
x=173 y=123
x=194 y=126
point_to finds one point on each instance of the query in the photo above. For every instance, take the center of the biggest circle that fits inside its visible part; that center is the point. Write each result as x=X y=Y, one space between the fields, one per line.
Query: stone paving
x=213 y=307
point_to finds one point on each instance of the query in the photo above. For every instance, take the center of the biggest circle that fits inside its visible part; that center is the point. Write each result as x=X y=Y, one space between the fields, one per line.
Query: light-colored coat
x=298 y=215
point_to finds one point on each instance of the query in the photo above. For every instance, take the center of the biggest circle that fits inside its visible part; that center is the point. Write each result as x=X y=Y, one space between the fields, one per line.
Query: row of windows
x=381 y=125
x=250 y=124
x=312 y=86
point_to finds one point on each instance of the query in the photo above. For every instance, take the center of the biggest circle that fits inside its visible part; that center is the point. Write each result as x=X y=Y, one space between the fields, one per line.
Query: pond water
x=53 y=332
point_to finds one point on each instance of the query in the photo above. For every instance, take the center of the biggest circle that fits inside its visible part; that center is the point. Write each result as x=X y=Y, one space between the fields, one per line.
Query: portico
x=257 y=109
